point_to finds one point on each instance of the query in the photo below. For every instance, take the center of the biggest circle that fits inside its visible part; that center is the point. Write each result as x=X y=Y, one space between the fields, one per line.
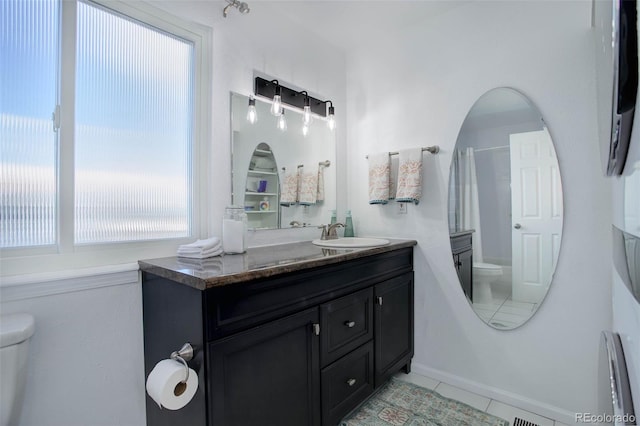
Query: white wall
x=86 y=363
x=430 y=76
x=417 y=94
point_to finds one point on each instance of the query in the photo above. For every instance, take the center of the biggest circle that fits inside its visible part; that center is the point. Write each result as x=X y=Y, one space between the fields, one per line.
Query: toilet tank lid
x=482 y=265
x=15 y=328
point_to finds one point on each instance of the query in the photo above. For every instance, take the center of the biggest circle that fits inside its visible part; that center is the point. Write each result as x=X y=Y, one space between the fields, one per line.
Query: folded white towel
x=197 y=251
x=308 y=191
x=202 y=254
x=202 y=244
x=409 y=176
x=201 y=249
x=289 y=194
x=379 y=178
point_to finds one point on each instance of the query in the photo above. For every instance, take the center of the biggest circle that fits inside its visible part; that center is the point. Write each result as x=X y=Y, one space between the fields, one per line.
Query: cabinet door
x=393 y=326
x=465 y=272
x=269 y=375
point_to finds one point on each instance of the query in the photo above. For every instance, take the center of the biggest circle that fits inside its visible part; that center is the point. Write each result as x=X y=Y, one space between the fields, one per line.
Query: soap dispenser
x=348 y=225
x=334 y=218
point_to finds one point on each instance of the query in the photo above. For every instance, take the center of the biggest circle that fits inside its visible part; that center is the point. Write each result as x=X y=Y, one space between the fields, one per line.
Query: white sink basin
x=352 y=242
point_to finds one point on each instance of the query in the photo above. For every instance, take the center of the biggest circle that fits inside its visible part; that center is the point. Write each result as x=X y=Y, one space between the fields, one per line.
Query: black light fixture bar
x=267 y=89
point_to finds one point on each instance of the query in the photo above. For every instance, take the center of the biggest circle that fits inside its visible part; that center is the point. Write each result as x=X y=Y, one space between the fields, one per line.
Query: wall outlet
x=402 y=208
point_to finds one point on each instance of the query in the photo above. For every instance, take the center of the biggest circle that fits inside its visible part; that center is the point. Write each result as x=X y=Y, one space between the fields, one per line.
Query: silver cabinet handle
x=350 y=324
x=517 y=226
x=351 y=382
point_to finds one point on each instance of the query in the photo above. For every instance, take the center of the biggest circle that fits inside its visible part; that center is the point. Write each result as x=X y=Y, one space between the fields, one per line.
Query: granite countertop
x=258 y=262
x=463 y=232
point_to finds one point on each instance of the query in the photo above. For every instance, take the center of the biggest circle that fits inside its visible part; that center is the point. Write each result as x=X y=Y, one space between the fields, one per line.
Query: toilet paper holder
x=183 y=355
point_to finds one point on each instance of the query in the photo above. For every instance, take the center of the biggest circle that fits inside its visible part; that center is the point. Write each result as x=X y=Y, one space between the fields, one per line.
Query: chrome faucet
x=332 y=231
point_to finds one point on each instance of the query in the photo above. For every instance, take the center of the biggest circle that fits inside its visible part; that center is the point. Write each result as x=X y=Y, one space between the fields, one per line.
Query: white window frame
x=67 y=255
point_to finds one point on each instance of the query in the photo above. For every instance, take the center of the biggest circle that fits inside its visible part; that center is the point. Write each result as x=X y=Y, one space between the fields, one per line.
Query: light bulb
x=306 y=115
x=252 y=115
x=305 y=130
x=276 y=106
x=331 y=119
x=331 y=123
x=281 y=123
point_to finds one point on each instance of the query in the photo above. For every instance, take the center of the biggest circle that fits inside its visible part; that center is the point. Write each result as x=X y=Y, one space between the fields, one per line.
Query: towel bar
x=432 y=149
x=326 y=163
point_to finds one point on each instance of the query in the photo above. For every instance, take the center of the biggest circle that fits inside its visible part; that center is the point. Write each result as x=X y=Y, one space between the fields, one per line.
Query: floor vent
x=520 y=422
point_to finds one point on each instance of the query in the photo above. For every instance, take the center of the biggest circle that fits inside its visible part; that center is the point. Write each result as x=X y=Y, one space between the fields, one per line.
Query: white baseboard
x=500 y=395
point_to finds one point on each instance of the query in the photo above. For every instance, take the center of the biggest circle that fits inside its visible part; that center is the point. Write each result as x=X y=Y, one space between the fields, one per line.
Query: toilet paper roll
x=165 y=387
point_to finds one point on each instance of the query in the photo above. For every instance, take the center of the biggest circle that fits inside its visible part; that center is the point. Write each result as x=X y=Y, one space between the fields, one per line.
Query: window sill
x=19 y=287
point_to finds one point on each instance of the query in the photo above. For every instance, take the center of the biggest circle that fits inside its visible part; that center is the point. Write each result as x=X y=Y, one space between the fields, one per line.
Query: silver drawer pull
x=350 y=324
x=351 y=382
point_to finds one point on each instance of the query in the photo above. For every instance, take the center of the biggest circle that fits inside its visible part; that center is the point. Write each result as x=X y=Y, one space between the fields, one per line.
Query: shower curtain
x=468 y=207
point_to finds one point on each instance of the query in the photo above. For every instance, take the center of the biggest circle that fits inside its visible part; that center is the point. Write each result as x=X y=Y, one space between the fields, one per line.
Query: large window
x=29 y=43
x=122 y=170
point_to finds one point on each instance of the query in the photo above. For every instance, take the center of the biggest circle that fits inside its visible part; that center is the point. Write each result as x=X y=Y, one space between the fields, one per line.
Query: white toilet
x=484 y=274
x=15 y=331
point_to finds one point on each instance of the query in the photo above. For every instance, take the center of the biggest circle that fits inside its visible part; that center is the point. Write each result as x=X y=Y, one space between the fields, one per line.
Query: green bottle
x=348 y=225
x=333 y=217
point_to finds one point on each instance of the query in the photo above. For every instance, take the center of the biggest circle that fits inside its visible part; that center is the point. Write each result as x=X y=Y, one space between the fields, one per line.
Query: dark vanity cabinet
x=302 y=347
x=267 y=374
x=462 y=250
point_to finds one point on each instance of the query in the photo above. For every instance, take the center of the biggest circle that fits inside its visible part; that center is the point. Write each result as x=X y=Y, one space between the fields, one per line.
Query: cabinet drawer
x=241 y=306
x=345 y=323
x=461 y=243
x=346 y=383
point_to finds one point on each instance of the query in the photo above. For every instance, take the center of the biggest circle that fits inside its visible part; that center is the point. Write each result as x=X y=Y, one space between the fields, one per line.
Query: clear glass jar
x=234 y=230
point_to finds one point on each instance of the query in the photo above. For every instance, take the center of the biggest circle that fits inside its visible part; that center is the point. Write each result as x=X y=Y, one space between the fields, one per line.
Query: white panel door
x=536 y=210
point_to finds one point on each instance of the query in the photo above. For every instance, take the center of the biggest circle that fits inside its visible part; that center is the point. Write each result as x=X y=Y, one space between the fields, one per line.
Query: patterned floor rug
x=399 y=403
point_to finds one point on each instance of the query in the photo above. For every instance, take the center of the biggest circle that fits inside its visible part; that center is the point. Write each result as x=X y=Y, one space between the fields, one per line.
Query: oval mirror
x=505 y=208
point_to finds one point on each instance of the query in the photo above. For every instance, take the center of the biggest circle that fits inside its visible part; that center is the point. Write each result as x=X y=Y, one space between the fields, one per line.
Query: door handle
x=517 y=226
x=351 y=382
x=350 y=324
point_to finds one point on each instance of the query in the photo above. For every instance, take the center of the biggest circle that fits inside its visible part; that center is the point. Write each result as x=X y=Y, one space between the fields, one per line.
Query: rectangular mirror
x=268 y=164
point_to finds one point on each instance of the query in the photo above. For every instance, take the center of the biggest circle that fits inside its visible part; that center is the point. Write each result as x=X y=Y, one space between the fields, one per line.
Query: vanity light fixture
x=331 y=119
x=252 y=114
x=281 y=123
x=279 y=95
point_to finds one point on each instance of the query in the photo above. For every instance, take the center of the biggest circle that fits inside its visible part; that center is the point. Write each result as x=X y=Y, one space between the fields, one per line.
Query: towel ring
x=183 y=355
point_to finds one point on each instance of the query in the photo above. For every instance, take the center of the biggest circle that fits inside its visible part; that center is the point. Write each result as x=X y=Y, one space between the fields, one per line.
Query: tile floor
x=479 y=402
x=502 y=311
